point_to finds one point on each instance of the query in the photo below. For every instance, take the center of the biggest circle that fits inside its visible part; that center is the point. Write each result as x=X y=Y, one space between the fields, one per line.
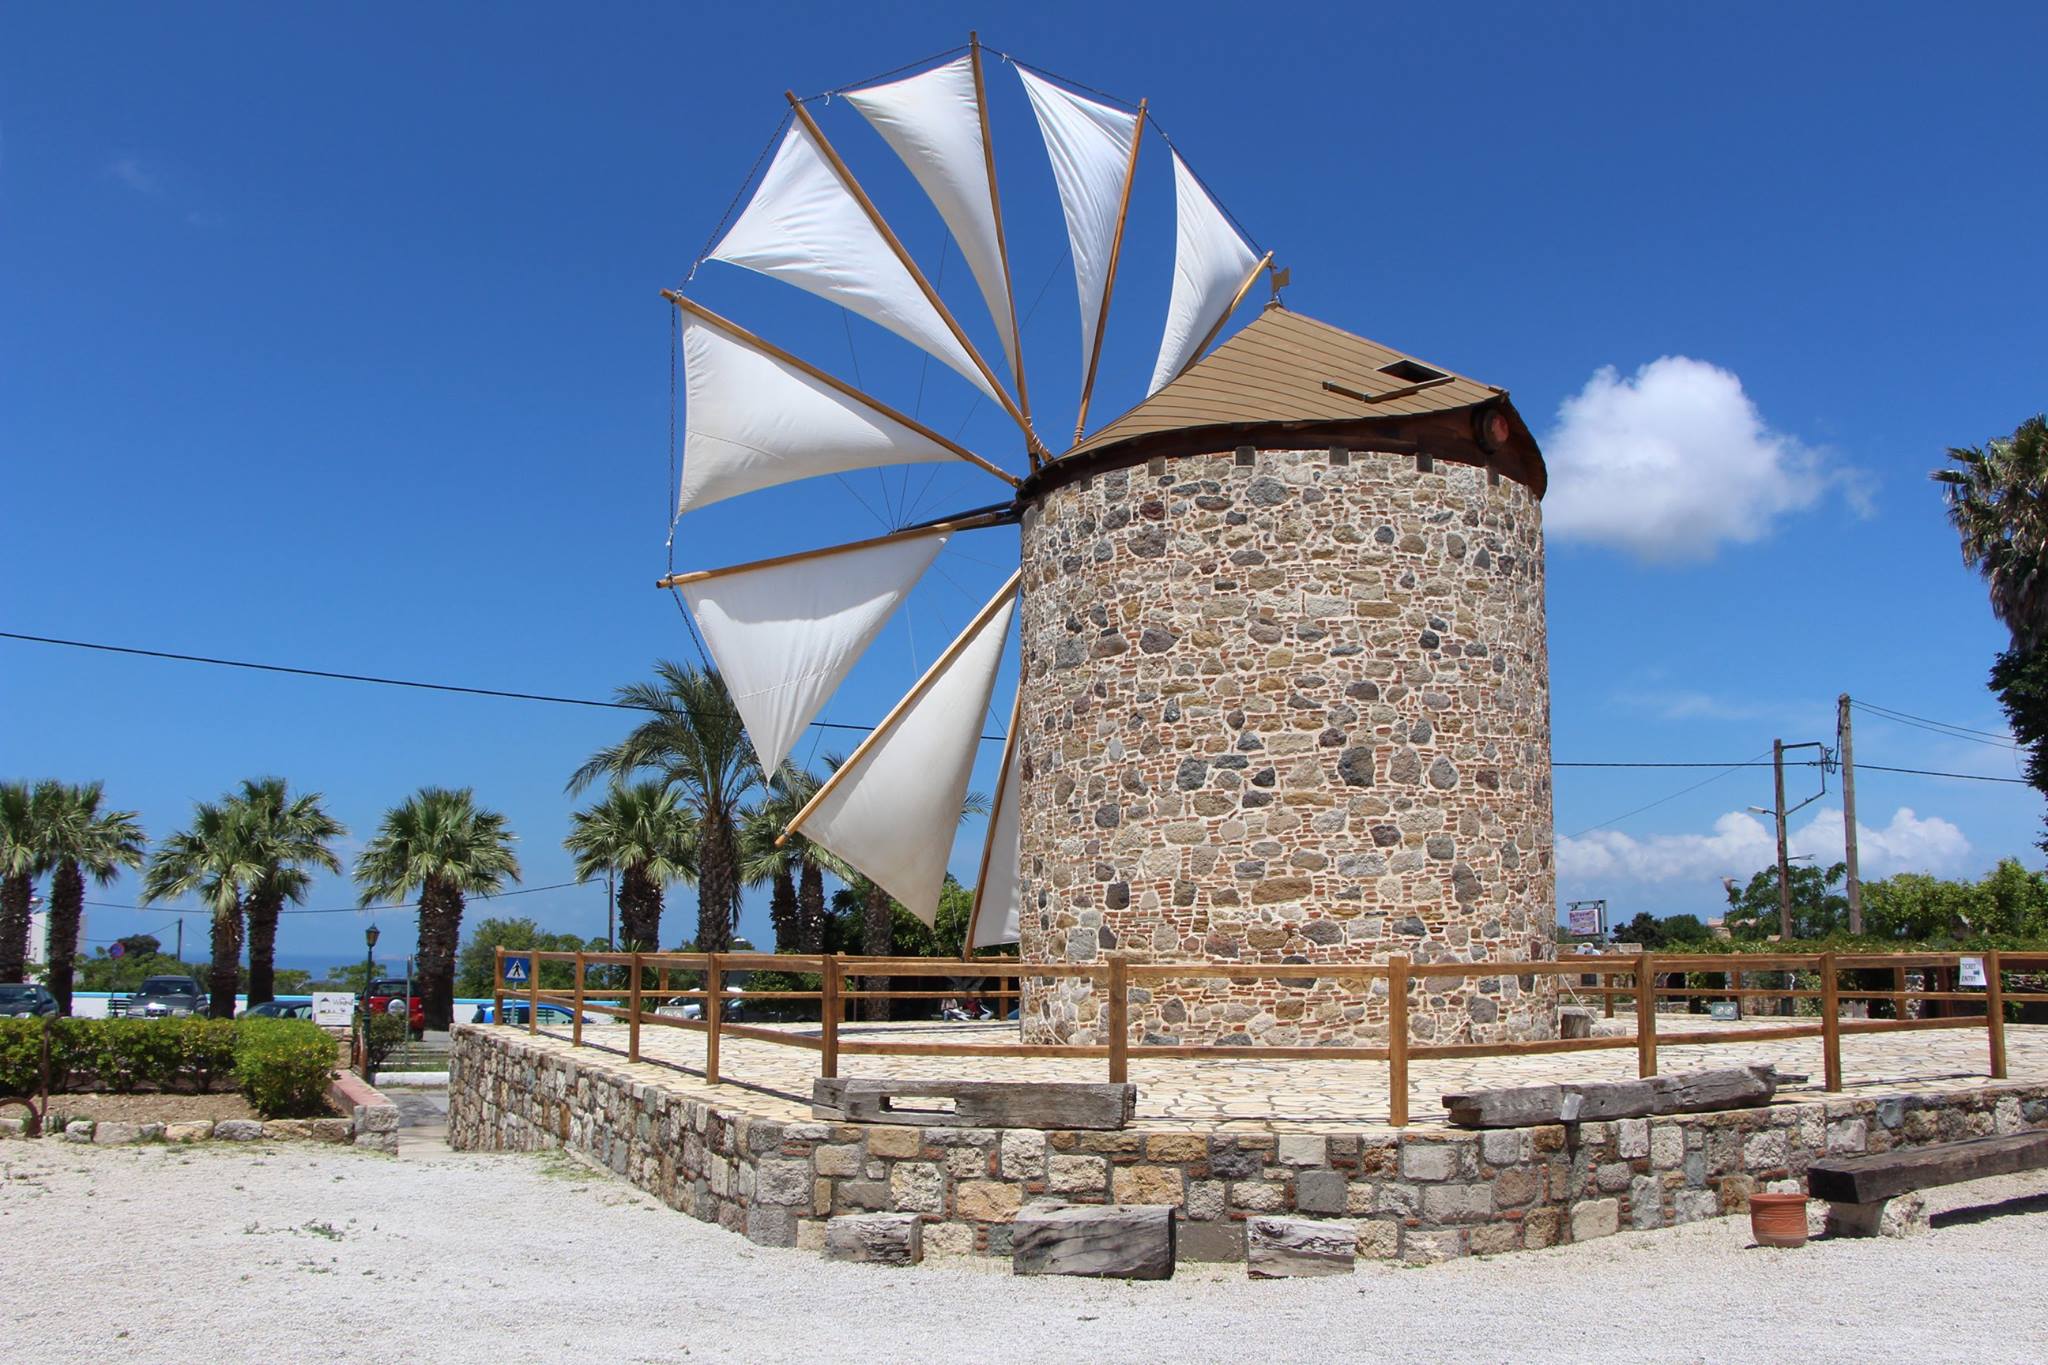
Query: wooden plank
x=576 y=1028
x=988 y=1104
x=633 y=1009
x=1113 y=1241
x=1831 y=1024
x=714 y=1013
x=1868 y=1179
x=1695 y=1092
x=829 y=1010
x=875 y=1238
x=1294 y=1248
x=1994 y=1012
x=1119 y=1021
x=1646 y=1016
x=1397 y=1040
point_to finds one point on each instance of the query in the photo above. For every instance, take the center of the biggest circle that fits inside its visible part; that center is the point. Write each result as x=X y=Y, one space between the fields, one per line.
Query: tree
x=2020 y=678
x=1654 y=933
x=649 y=839
x=79 y=840
x=479 y=954
x=441 y=844
x=693 y=738
x=1818 y=909
x=289 y=836
x=21 y=861
x=1998 y=503
x=795 y=869
x=215 y=858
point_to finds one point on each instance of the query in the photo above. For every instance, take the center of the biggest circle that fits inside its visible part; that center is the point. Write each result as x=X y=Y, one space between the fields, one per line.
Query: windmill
x=787 y=631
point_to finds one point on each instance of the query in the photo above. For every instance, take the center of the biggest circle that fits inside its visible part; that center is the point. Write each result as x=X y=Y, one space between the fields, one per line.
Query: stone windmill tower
x=1284 y=691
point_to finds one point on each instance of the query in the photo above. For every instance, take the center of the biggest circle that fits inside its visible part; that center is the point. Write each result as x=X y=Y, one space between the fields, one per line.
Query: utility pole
x=1845 y=739
x=1784 y=870
x=181 y=938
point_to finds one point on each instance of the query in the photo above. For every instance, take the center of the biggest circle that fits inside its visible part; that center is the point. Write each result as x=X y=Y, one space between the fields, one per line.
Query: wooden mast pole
x=1217 y=329
x=988 y=845
x=825 y=788
x=677 y=580
x=769 y=348
x=874 y=215
x=1116 y=246
x=995 y=202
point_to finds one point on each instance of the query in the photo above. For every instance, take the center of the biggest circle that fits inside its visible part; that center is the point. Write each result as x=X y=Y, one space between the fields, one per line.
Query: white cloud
x=1673 y=462
x=1740 y=844
x=130 y=171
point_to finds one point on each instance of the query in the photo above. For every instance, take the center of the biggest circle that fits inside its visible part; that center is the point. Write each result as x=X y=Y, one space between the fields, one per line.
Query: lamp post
x=363 y=1000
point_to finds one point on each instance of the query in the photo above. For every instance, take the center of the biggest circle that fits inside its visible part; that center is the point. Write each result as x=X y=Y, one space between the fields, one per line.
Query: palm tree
x=649 y=839
x=441 y=844
x=216 y=859
x=694 y=739
x=290 y=837
x=80 y=840
x=21 y=862
x=795 y=870
x=1998 y=503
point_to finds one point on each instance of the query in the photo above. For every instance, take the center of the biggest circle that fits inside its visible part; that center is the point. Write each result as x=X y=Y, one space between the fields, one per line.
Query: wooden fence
x=1638 y=974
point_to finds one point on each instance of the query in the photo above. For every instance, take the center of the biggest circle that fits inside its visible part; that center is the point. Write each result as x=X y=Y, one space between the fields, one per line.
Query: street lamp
x=369 y=960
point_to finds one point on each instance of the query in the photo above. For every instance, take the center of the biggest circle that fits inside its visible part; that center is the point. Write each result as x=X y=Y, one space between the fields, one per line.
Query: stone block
x=1258 y=1196
x=860 y=1194
x=1432 y=1248
x=1379 y=1239
x=1764 y=1151
x=1632 y=1138
x=785 y=1182
x=966 y=1163
x=13 y=1128
x=1504 y=1146
x=895 y=1142
x=1493 y=1239
x=1206 y=1199
x=1175 y=1147
x=1646 y=1202
x=1516 y=1186
x=987 y=1201
x=1277 y=1248
x=1691 y=1206
x=917 y=1186
x=948 y=1239
x=1596 y=1218
x=1667 y=1146
x=78 y=1130
x=1456 y=1203
x=838 y=1159
x=1540 y=1228
x=1077 y=1175
x=1221 y=1240
x=771 y=1226
x=1849 y=1137
x=239 y=1130
x=111 y=1133
x=340 y=1131
x=875 y=1238
x=287 y=1130
x=1322 y=1191
x=1147 y=1184
x=1022 y=1156
x=1428 y=1160
x=1304 y=1149
x=1902 y=1216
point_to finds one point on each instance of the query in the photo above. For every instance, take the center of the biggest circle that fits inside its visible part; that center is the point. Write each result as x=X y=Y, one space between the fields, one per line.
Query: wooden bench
x=1877 y=1195
x=975 y=1104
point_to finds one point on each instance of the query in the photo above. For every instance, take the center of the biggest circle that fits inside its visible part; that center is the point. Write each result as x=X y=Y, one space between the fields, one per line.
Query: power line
x=1940 y=727
x=1673 y=797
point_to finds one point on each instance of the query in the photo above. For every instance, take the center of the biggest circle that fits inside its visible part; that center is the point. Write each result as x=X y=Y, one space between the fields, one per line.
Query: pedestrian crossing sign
x=516 y=971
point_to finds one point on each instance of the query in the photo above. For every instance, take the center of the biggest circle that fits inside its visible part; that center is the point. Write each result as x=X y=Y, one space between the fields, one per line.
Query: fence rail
x=1114 y=976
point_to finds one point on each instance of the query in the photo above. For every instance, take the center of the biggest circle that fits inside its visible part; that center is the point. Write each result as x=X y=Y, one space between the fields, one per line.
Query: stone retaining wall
x=1419 y=1196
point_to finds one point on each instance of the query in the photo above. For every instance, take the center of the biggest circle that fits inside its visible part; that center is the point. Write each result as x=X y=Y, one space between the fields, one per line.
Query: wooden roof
x=1279 y=371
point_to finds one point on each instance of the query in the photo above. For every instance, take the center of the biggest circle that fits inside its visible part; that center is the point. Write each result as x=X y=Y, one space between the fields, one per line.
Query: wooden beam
x=995 y=203
x=769 y=348
x=1116 y=246
x=931 y=675
x=988 y=845
x=1216 y=330
x=677 y=580
x=874 y=215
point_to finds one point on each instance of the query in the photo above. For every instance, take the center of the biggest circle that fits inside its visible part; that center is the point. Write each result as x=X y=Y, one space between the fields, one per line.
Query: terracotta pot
x=1778 y=1220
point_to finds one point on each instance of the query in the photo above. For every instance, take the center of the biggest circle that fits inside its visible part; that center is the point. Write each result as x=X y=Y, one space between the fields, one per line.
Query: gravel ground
x=278 y=1252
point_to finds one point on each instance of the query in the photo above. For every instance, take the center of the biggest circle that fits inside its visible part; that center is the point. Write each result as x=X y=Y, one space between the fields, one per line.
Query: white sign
x=1583 y=919
x=1970 y=972
x=333 y=1009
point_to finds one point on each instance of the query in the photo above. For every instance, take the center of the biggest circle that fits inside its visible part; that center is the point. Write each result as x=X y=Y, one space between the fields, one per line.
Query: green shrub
x=21 y=1050
x=283 y=1066
x=128 y=1054
x=383 y=1032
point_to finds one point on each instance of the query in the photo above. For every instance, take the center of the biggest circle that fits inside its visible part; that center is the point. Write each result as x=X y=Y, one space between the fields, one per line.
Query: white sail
x=893 y=810
x=805 y=227
x=754 y=420
x=933 y=122
x=1210 y=263
x=1090 y=148
x=1000 y=897
x=785 y=635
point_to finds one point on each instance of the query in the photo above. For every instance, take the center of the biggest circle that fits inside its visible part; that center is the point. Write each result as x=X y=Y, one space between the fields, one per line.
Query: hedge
x=281 y=1065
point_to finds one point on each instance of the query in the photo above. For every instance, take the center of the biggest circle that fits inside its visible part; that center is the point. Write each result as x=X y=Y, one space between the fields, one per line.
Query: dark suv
x=26 y=998
x=166 y=997
x=389 y=995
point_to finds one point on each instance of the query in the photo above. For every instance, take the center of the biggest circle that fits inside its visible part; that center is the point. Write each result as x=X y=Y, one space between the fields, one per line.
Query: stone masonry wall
x=1416 y=1196
x=1287 y=706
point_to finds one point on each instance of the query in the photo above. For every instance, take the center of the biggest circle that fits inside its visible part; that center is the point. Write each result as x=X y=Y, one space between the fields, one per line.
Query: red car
x=389 y=996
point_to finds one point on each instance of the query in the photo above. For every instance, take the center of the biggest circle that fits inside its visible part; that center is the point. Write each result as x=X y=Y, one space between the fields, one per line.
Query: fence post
x=1899 y=993
x=714 y=997
x=633 y=1011
x=576 y=1026
x=497 y=986
x=533 y=991
x=1994 y=1012
x=1830 y=1021
x=1397 y=1040
x=1646 y=1015
x=1119 y=1020
x=828 y=1017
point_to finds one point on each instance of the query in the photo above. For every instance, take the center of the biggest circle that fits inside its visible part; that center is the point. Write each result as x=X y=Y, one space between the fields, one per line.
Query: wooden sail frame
x=888 y=234
x=988 y=844
x=995 y=203
x=1265 y=262
x=769 y=348
x=936 y=528
x=875 y=736
x=1116 y=247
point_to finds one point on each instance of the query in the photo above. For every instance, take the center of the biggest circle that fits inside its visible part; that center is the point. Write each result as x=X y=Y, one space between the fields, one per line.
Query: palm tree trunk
x=440 y=930
x=67 y=901
x=717 y=882
x=14 y=897
x=878 y=939
x=639 y=911
x=263 y=911
x=226 y=972
x=783 y=913
x=810 y=908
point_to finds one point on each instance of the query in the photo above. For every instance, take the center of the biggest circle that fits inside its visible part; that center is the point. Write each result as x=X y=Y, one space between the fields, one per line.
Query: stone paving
x=1232 y=1094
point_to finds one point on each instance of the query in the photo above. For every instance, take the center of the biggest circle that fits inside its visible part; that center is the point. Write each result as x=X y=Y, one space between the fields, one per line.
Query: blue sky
x=333 y=338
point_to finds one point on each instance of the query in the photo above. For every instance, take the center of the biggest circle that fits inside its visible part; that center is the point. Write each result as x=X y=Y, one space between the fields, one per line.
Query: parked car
x=396 y=995
x=551 y=1015
x=26 y=998
x=682 y=1007
x=279 y=1009
x=165 y=997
